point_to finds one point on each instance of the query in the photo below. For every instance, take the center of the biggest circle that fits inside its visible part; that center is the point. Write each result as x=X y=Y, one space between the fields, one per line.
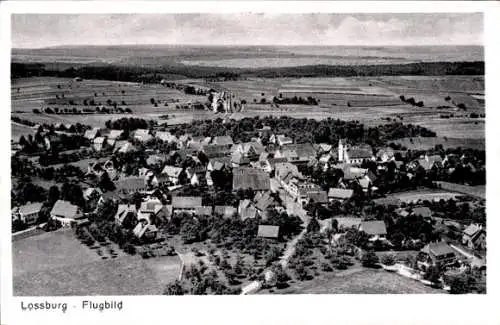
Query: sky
x=45 y=30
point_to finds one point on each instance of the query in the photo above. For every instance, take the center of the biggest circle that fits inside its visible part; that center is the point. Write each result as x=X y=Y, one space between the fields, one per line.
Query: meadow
x=57 y=264
x=370 y=100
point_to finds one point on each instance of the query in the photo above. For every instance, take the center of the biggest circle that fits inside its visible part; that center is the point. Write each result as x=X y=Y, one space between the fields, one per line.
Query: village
x=260 y=211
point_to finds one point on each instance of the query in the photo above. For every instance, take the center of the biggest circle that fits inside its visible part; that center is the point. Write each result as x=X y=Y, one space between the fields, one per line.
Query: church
x=353 y=154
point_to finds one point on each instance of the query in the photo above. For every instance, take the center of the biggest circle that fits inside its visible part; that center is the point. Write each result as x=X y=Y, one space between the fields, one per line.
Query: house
x=304 y=191
x=354 y=154
x=166 y=136
x=99 y=143
x=315 y=196
x=280 y=139
x=474 y=237
x=126 y=215
x=263 y=165
x=345 y=223
x=323 y=148
x=385 y=154
x=375 y=229
x=145 y=231
x=352 y=173
x=28 y=213
x=153 y=211
x=124 y=147
x=130 y=185
x=114 y=134
x=225 y=211
x=173 y=173
x=297 y=153
x=142 y=135
x=216 y=151
x=250 y=150
x=65 y=212
x=225 y=141
x=249 y=212
x=92 y=194
x=203 y=211
x=186 y=204
x=439 y=252
x=91 y=134
x=264 y=201
x=423 y=212
x=401 y=212
x=218 y=164
x=430 y=161
x=154 y=160
x=238 y=160
x=268 y=231
x=340 y=194
x=250 y=178
x=243 y=204
x=289 y=177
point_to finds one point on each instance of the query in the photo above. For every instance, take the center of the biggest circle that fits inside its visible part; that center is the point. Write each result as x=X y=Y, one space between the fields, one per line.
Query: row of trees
x=130 y=124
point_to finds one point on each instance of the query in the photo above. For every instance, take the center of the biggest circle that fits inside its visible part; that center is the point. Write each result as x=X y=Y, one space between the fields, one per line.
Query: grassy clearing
x=428 y=143
x=56 y=263
x=359 y=281
x=430 y=195
x=477 y=191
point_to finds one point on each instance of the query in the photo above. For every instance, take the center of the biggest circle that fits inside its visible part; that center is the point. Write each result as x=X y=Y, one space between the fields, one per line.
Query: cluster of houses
x=271 y=171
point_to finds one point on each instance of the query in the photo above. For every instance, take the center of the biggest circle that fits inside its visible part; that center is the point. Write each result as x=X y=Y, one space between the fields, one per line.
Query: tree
x=458 y=284
x=174 y=289
x=106 y=184
x=313 y=225
x=54 y=194
x=369 y=259
x=388 y=259
x=433 y=273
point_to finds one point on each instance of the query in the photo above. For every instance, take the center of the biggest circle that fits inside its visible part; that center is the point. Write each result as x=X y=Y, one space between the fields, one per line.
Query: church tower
x=341 y=151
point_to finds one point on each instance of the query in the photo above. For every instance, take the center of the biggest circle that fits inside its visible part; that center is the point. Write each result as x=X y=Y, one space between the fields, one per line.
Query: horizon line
x=239 y=45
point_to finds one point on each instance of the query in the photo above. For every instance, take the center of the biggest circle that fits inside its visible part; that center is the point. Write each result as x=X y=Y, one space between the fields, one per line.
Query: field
x=54 y=264
x=428 y=143
x=477 y=191
x=358 y=281
x=422 y=195
x=370 y=100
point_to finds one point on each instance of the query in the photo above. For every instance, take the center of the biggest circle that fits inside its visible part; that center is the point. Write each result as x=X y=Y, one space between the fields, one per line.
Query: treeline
x=130 y=124
x=22 y=121
x=156 y=74
x=305 y=130
x=295 y=100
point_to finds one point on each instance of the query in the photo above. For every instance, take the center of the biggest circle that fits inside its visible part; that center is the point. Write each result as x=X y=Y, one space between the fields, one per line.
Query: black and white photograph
x=251 y=153
x=328 y=160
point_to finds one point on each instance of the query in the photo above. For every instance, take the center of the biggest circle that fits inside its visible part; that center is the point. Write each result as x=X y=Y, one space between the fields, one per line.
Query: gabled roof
x=360 y=152
x=91 y=134
x=244 y=204
x=131 y=183
x=166 y=136
x=172 y=171
x=438 y=249
x=422 y=212
x=239 y=159
x=472 y=230
x=268 y=231
x=348 y=222
x=225 y=211
x=203 y=211
x=351 y=173
x=249 y=212
x=429 y=161
x=126 y=147
x=340 y=193
x=99 y=140
x=155 y=160
x=186 y=202
x=318 y=196
x=264 y=200
x=250 y=178
x=303 y=150
x=64 y=209
x=124 y=210
x=376 y=227
x=114 y=134
x=30 y=208
x=142 y=228
x=215 y=150
x=223 y=140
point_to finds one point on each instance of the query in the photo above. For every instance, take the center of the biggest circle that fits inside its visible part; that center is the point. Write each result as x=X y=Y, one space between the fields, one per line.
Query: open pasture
x=429 y=143
x=56 y=264
x=423 y=195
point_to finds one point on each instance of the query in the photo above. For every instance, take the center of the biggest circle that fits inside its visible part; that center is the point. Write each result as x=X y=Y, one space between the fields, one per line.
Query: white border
x=317 y=309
